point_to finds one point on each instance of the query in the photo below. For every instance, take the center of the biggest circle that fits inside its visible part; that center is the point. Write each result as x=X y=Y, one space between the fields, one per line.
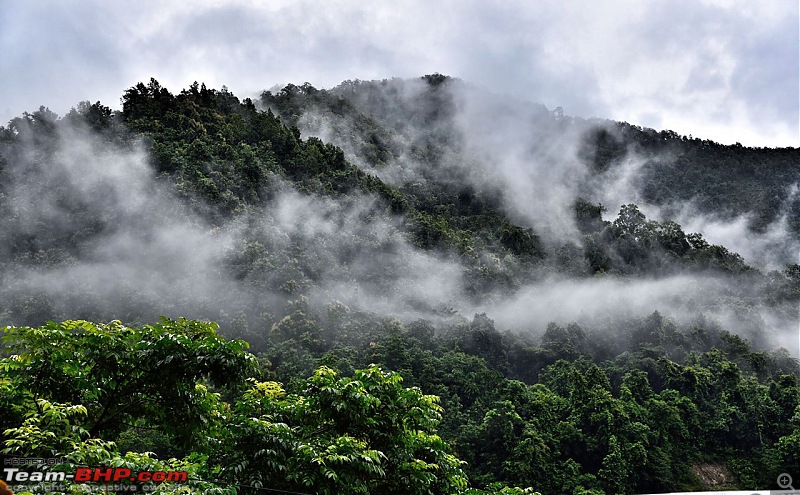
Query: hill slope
x=460 y=237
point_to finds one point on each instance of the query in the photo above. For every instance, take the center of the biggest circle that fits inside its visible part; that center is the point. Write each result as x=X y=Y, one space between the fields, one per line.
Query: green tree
x=365 y=434
x=124 y=376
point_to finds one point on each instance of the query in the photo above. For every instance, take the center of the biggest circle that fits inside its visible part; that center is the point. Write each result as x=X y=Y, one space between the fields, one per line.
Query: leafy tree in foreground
x=123 y=376
x=79 y=390
x=365 y=434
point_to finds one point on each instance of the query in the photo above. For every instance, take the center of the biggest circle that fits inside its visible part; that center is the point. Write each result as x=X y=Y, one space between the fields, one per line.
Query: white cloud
x=722 y=70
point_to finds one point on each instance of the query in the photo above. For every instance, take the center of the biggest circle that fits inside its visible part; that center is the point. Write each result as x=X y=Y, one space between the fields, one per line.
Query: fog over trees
x=402 y=275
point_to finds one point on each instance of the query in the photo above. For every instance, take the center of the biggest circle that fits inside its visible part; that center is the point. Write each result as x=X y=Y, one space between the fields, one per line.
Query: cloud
x=723 y=73
x=358 y=254
x=606 y=303
x=125 y=246
x=519 y=153
x=771 y=249
x=137 y=252
x=714 y=70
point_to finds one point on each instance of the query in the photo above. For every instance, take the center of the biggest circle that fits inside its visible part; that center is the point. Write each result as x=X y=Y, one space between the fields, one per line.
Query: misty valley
x=404 y=286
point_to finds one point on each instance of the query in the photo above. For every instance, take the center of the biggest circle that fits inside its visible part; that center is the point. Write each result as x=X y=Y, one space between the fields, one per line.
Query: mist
x=531 y=159
x=123 y=244
x=129 y=247
x=770 y=249
x=459 y=133
x=357 y=254
x=138 y=251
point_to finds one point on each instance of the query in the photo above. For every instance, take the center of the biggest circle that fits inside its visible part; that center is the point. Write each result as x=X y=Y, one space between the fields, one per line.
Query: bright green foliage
x=365 y=434
x=123 y=376
x=361 y=434
x=631 y=423
x=110 y=378
x=53 y=431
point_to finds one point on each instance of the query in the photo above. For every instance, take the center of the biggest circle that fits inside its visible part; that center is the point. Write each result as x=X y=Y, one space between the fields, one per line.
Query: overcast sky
x=723 y=70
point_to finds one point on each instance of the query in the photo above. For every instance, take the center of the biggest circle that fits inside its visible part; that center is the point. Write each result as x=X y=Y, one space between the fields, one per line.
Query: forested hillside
x=406 y=274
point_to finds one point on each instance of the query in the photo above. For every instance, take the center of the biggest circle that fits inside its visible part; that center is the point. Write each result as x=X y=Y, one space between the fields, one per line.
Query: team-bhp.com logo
x=123 y=479
x=95 y=475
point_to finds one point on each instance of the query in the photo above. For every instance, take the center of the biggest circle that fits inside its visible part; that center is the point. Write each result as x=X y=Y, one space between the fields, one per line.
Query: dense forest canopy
x=407 y=274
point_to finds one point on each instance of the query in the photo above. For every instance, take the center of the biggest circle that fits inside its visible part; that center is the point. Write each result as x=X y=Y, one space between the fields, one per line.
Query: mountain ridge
x=459 y=238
